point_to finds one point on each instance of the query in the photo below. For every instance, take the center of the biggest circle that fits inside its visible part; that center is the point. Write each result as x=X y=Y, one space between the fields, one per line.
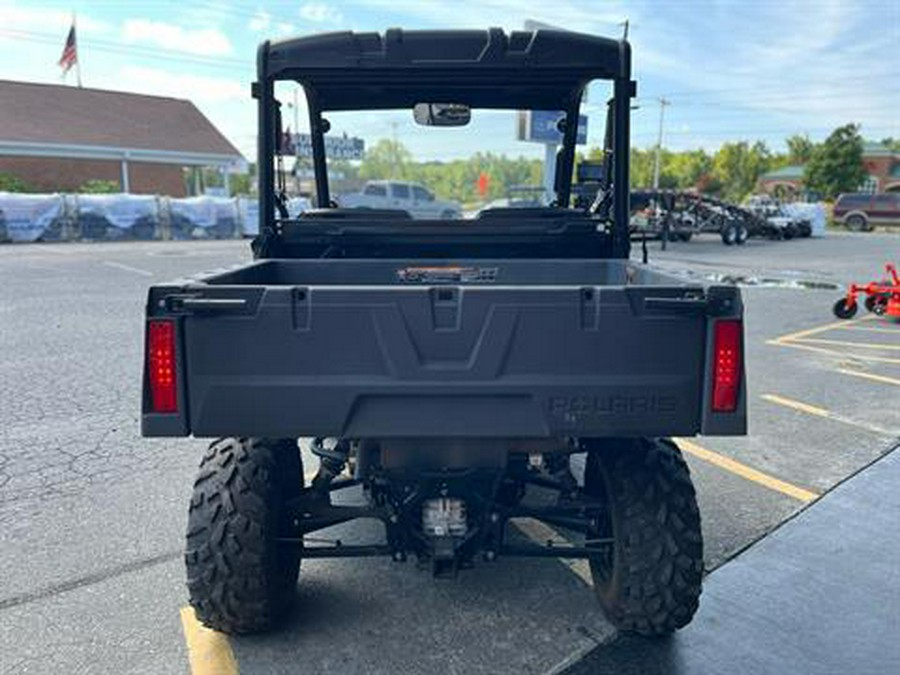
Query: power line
x=150 y=53
x=856 y=79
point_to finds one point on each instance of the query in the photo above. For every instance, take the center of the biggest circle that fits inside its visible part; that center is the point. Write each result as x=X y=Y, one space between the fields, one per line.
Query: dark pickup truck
x=452 y=369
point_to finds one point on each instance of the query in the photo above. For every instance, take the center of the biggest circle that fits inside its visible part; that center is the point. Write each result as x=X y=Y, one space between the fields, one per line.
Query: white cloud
x=201 y=89
x=320 y=12
x=201 y=41
x=260 y=21
x=767 y=70
x=589 y=17
x=282 y=29
x=21 y=17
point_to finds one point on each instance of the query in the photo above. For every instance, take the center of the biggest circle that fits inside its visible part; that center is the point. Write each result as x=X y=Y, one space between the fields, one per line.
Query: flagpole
x=77 y=55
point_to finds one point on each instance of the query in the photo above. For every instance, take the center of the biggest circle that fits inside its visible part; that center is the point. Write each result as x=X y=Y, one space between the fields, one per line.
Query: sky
x=762 y=69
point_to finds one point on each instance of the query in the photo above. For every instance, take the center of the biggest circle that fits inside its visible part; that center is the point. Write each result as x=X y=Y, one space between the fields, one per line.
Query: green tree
x=642 y=168
x=244 y=183
x=800 y=149
x=836 y=165
x=891 y=143
x=686 y=168
x=737 y=167
x=386 y=159
x=676 y=169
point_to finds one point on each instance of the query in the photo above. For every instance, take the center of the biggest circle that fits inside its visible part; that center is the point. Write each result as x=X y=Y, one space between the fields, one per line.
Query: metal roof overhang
x=70 y=151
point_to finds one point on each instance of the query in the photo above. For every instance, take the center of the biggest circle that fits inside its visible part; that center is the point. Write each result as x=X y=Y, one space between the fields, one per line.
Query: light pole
x=659 y=139
x=295 y=106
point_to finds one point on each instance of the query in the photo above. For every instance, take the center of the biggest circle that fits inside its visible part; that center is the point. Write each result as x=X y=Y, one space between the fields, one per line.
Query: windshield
x=384 y=159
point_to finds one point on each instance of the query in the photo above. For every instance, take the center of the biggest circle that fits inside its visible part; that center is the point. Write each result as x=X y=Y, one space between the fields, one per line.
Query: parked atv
x=448 y=377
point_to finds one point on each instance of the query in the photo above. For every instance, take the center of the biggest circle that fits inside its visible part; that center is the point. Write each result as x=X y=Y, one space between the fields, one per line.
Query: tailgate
x=387 y=361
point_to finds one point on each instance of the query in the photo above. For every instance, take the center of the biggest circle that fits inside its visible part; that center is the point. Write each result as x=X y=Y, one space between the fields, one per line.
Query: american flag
x=70 y=52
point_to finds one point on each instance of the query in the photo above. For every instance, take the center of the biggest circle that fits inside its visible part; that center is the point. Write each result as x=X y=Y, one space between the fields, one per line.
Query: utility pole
x=659 y=139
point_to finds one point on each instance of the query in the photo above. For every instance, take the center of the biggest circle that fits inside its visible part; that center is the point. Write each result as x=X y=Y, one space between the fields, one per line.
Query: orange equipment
x=882 y=297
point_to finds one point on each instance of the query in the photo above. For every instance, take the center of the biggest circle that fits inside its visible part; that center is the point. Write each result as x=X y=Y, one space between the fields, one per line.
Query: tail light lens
x=726 y=365
x=161 y=366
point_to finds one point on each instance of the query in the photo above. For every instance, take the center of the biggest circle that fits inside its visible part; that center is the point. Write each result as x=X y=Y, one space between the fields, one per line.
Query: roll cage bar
x=538 y=70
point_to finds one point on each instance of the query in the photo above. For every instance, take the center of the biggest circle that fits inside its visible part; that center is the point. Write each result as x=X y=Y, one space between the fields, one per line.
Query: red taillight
x=726 y=365
x=161 y=366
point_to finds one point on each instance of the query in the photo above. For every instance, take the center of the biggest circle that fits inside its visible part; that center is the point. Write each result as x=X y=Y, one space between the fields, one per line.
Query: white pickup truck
x=396 y=194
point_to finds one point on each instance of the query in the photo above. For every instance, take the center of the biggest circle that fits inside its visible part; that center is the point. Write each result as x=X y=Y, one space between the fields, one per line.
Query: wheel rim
x=603 y=563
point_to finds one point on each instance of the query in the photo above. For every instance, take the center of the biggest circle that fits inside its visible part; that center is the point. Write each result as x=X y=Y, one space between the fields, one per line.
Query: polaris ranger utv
x=458 y=375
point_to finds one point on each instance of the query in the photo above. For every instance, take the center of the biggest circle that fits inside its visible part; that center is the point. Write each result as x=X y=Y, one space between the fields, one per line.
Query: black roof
x=541 y=69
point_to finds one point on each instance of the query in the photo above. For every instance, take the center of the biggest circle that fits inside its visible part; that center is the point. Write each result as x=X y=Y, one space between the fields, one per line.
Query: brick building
x=56 y=138
x=881 y=163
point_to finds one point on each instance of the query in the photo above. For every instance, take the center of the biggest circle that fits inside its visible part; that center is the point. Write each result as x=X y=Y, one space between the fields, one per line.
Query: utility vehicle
x=450 y=377
x=862 y=211
x=413 y=198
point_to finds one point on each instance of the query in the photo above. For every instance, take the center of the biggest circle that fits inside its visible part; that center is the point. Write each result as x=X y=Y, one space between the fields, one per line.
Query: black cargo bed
x=479 y=348
x=502 y=272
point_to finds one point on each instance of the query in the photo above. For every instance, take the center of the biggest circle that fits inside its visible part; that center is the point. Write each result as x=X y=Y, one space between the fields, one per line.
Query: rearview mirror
x=442 y=114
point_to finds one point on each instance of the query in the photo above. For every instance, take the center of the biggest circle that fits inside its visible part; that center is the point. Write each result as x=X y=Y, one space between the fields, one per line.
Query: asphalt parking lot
x=92 y=516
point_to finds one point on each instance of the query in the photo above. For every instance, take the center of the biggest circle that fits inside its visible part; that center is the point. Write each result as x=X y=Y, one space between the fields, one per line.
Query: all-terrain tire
x=743 y=234
x=649 y=580
x=240 y=579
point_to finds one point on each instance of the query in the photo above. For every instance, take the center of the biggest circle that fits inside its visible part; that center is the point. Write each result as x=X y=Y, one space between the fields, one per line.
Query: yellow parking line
x=209 y=651
x=819 y=329
x=832 y=352
x=843 y=343
x=541 y=533
x=870 y=376
x=796 y=405
x=873 y=329
x=744 y=471
x=826 y=414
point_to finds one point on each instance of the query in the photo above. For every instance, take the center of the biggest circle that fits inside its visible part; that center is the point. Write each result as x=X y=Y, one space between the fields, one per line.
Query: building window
x=870 y=184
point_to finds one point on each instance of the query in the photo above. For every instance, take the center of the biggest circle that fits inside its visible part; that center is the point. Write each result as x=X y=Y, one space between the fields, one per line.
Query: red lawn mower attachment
x=882 y=297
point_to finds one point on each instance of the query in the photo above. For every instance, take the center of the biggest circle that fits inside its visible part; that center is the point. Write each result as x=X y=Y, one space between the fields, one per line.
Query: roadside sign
x=540 y=126
x=336 y=147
